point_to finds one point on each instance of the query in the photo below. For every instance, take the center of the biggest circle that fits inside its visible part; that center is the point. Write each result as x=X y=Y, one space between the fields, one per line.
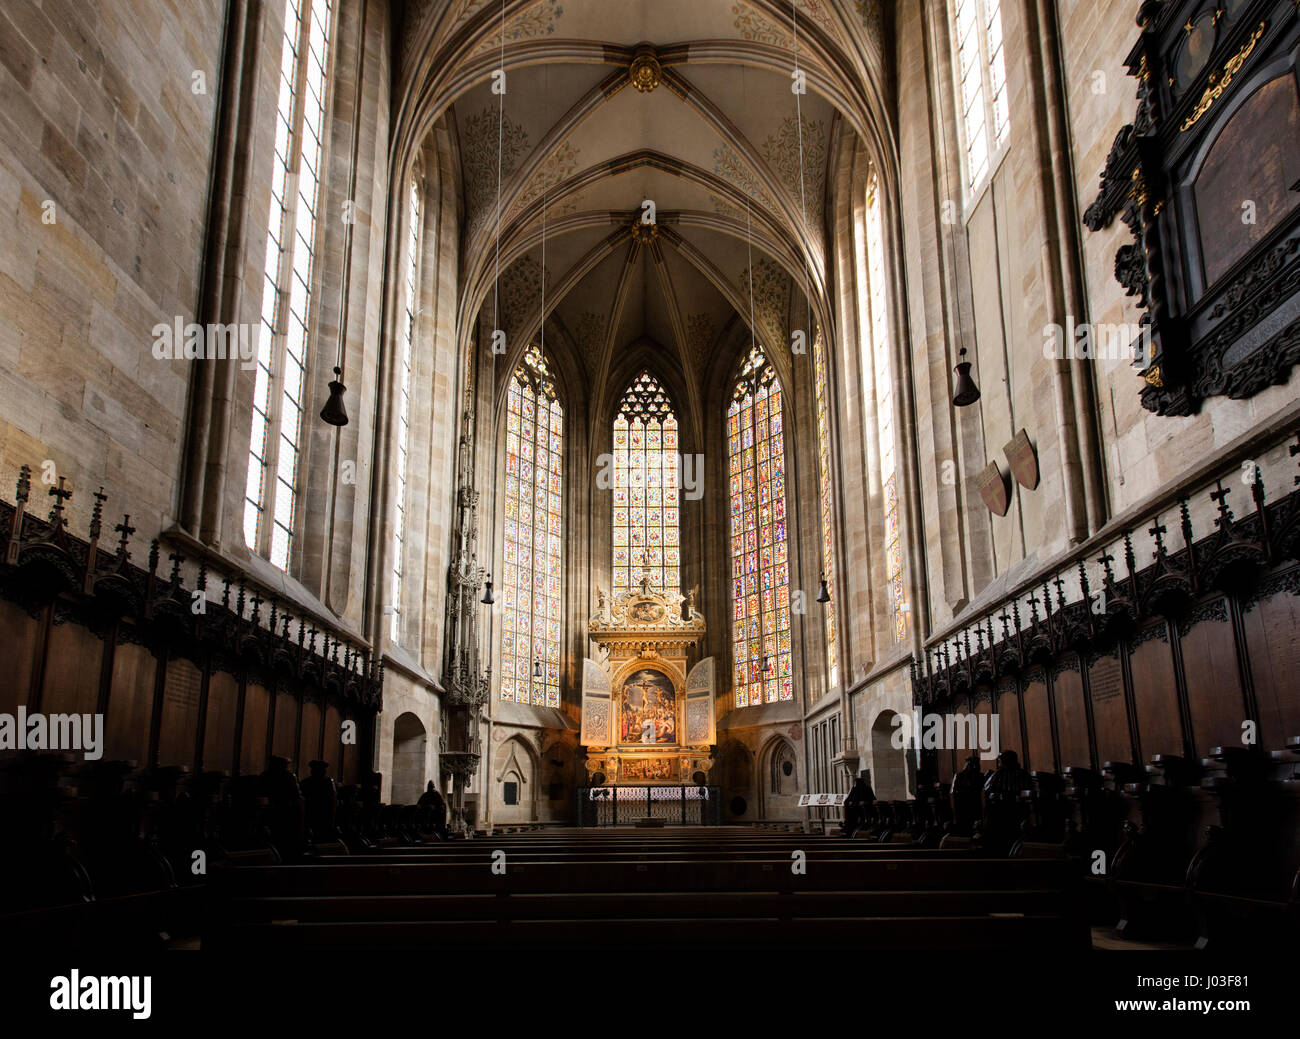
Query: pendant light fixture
x=965 y=392
x=488 y=599
x=823 y=592
x=334 y=412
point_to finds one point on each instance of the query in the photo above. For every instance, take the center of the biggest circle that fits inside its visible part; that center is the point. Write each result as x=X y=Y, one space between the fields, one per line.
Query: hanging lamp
x=334 y=412
x=965 y=392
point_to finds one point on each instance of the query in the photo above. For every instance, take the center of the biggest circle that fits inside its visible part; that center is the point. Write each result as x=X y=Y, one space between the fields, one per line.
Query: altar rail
x=627 y=805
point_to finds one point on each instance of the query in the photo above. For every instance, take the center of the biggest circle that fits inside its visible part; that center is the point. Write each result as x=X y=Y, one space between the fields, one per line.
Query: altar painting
x=647 y=708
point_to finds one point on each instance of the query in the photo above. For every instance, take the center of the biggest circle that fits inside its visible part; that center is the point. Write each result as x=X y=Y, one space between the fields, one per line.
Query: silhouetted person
x=967 y=796
x=858 y=803
x=1002 y=790
x=321 y=803
x=280 y=788
x=433 y=811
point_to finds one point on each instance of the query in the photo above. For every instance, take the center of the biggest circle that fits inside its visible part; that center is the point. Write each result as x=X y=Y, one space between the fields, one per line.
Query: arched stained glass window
x=288 y=310
x=530 y=644
x=878 y=362
x=760 y=573
x=404 y=406
x=646 y=539
x=827 y=504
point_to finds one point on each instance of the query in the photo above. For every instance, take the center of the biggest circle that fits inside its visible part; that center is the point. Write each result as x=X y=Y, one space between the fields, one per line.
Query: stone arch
x=516 y=783
x=410 y=742
x=778 y=779
x=738 y=782
x=888 y=763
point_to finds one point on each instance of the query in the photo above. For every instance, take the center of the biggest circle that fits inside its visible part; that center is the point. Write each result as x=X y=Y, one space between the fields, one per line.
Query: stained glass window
x=404 y=406
x=827 y=506
x=981 y=69
x=530 y=639
x=881 y=368
x=270 y=496
x=760 y=574
x=646 y=538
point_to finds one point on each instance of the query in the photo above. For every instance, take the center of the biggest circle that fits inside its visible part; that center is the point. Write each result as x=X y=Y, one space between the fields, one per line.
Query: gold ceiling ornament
x=644 y=234
x=1219 y=83
x=645 y=72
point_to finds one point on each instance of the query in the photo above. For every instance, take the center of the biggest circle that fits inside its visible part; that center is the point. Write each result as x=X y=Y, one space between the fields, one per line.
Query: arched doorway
x=514 y=783
x=779 y=783
x=888 y=763
x=410 y=743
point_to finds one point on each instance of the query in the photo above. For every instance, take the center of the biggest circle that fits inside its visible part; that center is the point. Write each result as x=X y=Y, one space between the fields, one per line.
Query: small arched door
x=888 y=763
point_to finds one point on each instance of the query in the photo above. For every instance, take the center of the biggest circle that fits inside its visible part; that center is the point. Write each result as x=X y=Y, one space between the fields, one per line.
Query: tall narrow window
x=760 y=575
x=982 y=73
x=530 y=649
x=827 y=506
x=404 y=405
x=646 y=542
x=287 y=308
x=881 y=368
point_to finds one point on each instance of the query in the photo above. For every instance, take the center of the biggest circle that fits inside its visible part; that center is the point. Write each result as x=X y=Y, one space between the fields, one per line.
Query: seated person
x=858 y=803
x=433 y=810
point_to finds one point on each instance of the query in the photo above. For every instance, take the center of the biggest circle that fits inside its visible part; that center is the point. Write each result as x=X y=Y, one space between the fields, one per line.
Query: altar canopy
x=647 y=715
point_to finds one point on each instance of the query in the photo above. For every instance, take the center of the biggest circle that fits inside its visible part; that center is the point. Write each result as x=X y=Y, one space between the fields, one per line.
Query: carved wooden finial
x=125 y=530
x=60 y=494
x=1105 y=562
x=24 y=488
x=97 y=514
x=1158 y=532
x=1220 y=498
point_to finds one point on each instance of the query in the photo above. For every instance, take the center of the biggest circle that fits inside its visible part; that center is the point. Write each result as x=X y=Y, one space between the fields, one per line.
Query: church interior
x=812 y=474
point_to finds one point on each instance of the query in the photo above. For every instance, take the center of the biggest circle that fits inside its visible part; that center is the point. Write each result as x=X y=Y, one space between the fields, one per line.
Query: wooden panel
x=333 y=752
x=130 y=705
x=352 y=753
x=983 y=728
x=180 y=713
x=18 y=632
x=72 y=671
x=1071 y=719
x=1009 y=735
x=1155 y=693
x=1109 y=711
x=286 y=726
x=1038 y=722
x=252 y=743
x=309 y=743
x=1213 y=685
x=1273 y=640
x=219 y=732
x=1267 y=128
x=943 y=759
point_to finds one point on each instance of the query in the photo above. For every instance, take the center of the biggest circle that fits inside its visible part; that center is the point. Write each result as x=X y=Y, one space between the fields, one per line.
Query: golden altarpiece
x=647 y=714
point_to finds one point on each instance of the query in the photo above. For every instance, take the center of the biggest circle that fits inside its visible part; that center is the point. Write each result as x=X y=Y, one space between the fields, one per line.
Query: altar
x=647 y=712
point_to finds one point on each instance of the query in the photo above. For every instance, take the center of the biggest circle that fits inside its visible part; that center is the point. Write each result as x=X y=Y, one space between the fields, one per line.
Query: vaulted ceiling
x=610 y=103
